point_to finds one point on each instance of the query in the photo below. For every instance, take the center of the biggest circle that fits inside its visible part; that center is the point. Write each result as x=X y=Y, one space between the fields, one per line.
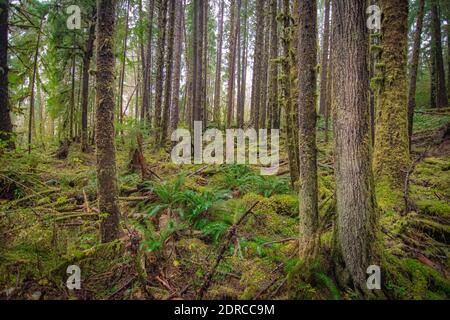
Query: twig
x=279 y=241
x=231 y=232
x=197 y=171
x=326 y=200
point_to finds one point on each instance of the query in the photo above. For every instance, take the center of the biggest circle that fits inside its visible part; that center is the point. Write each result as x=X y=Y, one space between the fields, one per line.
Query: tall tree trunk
x=218 y=80
x=354 y=182
x=72 y=92
x=6 y=128
x=325 y=52
x=433 y=78
x=175 y=111
x=238 y=61
x=106 y=153
x=441 y=92
x=32 y=84
x=234 y=20
x=391 y=156
x=274 y=119
x=169 y=75
x=257 y=63
x=291 y=116
x=85 y=84
x=414 y=68
x=162 y=22
x=122 y=71
x=146 y=58
x=448 y=52
x=204 y=91
x=241 y=97
x=307 y=60
x=263 y=112
x=197 y=75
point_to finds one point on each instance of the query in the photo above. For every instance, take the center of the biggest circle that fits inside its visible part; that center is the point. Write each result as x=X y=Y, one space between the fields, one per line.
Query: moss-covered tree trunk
x=106 y=154
x=234 y=20
x=169 y=75
x=290 y=115
x=160 y=52
x=5 y=117
x=88 y=51
x=257 y=63
x=307 y=62
x=441 y=92
x=354 y=183
x=274 y=118
x=414 y=68
x=243 y=84
x=197 y=65
x=391 y=156
x=175 y=108
x=218 y=78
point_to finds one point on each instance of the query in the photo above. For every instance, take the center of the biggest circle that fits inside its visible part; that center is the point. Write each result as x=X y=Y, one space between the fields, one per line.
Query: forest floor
x=178 y=229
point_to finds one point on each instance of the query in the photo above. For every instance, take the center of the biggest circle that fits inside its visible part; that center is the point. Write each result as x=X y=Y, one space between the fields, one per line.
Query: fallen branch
x=197 y=171
x=279 y=241
x=231 y=232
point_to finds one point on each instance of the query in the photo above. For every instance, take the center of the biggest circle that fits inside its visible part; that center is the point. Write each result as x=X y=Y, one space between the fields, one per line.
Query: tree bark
x=32 y=84
x=218 y=78
x=263 y=112
x=307 y=61
x=160 y=49
x=197 y=75
x=234 y=20
x=122 y=71
x=169 y=75
x=274 y=119
x=241 y=97
x=354 y=182
x=6 y=128
x=441 y=92
x=175 y=111
x=391 y=156
x=257 y=63
x=414 y=68
x=325 y=52
x=106 y=154
x=291 y=116
x=147 y=65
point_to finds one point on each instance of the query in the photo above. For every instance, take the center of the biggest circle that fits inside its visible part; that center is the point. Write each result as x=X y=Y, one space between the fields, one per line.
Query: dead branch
x=231 y=232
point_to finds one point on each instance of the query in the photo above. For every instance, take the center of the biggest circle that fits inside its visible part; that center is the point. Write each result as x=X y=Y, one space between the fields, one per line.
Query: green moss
x=410 y=279
x=388 y=199
x=267 y=218
x=254 y=277
x=434 y=207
